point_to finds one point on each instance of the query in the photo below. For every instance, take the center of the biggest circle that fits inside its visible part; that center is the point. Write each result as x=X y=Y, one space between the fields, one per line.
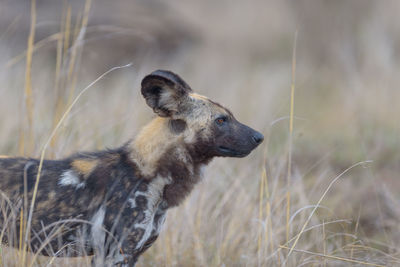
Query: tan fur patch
x=152 y=143
x=202 y=113
x=84 y=167
x=197 y=96
x=4 y=157
x=113 y=158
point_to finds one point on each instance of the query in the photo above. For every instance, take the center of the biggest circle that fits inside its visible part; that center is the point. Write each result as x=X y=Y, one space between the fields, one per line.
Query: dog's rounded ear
x=165 y=92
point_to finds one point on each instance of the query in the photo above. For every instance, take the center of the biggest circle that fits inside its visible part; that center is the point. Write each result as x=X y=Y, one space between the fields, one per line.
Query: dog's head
x=206 y=126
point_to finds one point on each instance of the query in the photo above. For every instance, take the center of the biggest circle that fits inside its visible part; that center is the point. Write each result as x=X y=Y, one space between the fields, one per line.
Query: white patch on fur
x=97 y=233
x=160 y=223
x=147 y=226
x=119 y=259
x=154 y=197
x=69 y=177
x=202 y=170
x=183 y=156
x=132 y=203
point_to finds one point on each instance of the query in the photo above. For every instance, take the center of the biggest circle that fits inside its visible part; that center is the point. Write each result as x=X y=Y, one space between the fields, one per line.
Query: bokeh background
x=238 y=53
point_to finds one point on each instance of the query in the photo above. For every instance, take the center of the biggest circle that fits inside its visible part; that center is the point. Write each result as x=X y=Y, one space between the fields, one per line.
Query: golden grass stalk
x=79 y=33
x=324 y=242
x=47 y=144
x=71 y=77
x=85 y=19
x=62 y=49
x=21 y=230
x=67 y=32
x=289 y=167
x=28 y=82
x=260 y=214
x=29 y=109
x=268 y=228
x=268 y=215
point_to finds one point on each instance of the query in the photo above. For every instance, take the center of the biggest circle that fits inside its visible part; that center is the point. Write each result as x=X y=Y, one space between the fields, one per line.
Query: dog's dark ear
x=165 y=92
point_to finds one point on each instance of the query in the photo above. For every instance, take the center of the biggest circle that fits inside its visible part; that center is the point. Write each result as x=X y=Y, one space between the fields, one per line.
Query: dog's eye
x=221 y=120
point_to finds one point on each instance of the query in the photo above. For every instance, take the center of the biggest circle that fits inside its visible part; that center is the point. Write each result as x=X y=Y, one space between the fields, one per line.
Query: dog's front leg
x=116 y=260
x=127 y=255
x=127 y=263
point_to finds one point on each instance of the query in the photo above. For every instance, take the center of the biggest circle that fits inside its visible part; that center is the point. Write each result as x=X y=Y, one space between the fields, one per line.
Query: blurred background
x=238 y=53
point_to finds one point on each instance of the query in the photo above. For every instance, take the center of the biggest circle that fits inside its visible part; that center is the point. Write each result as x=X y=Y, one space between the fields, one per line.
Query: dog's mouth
x=229 y=152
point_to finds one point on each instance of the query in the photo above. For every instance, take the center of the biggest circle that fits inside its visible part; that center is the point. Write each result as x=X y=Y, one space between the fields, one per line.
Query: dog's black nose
x=258 y=138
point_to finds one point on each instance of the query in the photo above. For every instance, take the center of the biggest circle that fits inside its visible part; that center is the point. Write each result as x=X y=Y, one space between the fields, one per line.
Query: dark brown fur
x=112 y=203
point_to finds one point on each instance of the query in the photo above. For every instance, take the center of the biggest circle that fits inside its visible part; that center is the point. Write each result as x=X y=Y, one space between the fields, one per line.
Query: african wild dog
x=113 y=203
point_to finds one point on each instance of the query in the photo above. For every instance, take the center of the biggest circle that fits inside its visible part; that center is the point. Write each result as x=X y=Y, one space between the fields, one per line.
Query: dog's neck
x=159 y=144
x=150 y=145
x=159 y=151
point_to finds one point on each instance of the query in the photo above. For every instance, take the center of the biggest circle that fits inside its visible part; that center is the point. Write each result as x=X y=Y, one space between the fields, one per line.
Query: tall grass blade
x=28 y=82
x=289 y=167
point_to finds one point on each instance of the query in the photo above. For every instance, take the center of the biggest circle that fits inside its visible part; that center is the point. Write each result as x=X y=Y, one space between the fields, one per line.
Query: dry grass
x=308 y=197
